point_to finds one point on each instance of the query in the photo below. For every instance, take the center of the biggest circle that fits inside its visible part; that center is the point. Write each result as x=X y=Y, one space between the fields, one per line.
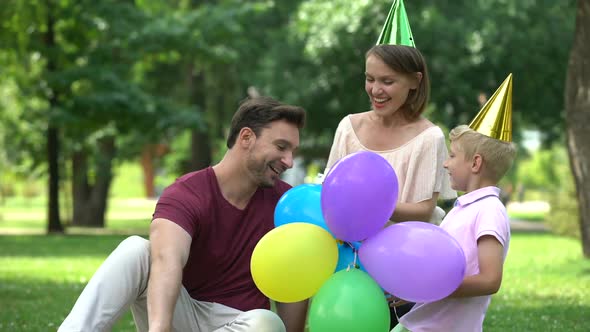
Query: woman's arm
x=488 y=281
x=421 y=211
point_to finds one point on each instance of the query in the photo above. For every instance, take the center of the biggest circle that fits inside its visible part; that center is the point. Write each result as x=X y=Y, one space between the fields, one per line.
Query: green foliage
x=545 y=169
x=470 y=47
x=548 y=170
x=147 y=71
x=564 y=218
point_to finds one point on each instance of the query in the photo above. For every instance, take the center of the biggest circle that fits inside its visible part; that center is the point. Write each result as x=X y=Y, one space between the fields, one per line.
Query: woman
x=397 y=84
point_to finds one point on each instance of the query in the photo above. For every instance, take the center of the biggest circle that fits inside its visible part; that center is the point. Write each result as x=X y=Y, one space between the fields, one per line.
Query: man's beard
x=258 y=170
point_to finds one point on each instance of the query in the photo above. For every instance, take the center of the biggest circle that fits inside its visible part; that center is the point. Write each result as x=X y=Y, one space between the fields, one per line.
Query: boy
x=478 y=159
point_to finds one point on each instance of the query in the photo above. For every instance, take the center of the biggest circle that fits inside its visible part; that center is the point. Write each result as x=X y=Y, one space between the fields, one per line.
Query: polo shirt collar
x=477 y=195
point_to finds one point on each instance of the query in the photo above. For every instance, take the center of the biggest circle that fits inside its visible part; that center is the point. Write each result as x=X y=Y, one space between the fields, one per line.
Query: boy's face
x=459 y=167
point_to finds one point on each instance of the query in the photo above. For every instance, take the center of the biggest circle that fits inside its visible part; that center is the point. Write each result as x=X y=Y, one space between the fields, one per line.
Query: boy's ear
x=476 y=163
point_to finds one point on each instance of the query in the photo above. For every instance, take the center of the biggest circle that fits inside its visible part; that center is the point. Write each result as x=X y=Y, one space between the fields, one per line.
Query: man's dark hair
x=258 y=112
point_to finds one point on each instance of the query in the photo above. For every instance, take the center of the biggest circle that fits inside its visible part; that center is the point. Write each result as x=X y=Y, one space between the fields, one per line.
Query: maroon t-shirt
x=223 y=237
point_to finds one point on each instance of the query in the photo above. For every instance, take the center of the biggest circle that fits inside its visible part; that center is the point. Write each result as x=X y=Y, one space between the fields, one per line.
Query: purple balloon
x=359 y=195
x=415 y=261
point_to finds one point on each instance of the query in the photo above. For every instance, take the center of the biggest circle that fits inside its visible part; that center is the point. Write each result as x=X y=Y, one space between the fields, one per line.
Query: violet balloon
x=359 y=195
x=415 y=261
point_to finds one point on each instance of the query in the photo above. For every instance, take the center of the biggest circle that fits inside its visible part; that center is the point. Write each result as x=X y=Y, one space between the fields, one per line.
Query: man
x=194 y=273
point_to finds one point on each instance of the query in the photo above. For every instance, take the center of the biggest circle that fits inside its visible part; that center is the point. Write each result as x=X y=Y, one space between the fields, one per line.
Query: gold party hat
x=396 y=29
x=495 y=117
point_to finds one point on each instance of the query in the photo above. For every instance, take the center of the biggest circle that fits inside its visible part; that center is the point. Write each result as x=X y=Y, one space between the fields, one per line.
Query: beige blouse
x=418 y=164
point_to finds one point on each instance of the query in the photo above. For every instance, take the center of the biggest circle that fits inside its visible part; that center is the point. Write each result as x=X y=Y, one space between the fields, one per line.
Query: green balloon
x=349 y=301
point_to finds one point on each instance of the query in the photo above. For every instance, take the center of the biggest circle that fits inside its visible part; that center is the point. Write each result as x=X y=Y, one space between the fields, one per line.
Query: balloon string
x=395 y=313
x=355 y=254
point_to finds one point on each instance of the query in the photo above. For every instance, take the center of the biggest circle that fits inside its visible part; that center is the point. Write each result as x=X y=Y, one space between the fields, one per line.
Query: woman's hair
x=257 y=113
x=497 y=155
x=406 y=60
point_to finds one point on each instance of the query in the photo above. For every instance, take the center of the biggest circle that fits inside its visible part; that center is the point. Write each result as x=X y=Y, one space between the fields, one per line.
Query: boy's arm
x=487 y=282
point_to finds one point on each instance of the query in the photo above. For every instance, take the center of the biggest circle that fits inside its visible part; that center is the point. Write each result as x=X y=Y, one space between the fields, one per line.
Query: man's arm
x=169 y=247
x=489 y=279
x=293 y=315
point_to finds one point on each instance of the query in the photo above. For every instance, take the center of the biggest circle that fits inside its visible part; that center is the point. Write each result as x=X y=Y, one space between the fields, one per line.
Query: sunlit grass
x=546 y=287
x=42 y=276
x=546 y=283
x=528 y=210
x=123 y=215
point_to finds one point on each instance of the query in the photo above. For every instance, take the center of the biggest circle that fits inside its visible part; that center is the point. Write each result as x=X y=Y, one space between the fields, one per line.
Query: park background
x=104 y=103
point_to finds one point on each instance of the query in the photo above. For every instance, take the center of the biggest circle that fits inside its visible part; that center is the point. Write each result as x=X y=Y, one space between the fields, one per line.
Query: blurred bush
x=563 y=219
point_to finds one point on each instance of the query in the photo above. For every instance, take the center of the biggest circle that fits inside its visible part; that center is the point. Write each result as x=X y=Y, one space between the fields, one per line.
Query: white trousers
x=121 y=282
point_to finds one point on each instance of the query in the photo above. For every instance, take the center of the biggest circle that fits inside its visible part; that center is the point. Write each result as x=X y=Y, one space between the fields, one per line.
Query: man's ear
x=246 y=137
x=476 y=163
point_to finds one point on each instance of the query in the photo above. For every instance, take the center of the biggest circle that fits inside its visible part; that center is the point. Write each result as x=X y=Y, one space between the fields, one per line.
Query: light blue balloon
x=301 y=204
x=346 y=256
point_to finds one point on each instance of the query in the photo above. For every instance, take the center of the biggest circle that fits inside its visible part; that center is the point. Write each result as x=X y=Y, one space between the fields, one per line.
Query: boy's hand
x=394 y=301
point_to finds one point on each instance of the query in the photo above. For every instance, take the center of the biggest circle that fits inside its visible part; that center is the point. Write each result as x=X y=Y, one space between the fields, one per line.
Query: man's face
x=272 y=152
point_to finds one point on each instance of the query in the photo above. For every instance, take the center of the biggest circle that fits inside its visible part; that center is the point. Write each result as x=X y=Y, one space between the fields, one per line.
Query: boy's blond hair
x=498 y=155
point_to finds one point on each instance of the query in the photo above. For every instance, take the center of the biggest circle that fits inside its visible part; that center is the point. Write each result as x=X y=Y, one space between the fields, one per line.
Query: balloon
x=290 y=263
x=301 y=204
x=350 y=301
x=346 y=256
x=415 y=261
x=359 y=195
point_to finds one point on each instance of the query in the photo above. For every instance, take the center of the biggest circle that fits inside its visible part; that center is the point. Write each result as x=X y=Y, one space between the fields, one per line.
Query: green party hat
x=396 y=29
x=495 y=117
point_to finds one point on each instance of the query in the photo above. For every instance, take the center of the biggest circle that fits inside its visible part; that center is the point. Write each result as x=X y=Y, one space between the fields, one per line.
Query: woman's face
x=386 y=88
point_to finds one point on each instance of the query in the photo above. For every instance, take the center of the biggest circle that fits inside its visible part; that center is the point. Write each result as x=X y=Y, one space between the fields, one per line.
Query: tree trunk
x=80 y=187
x=104 y=176
x=150 y=160
x=577 y=104
x=147 y=165
x=200 y=150
x=54 y=224
x=200 y=144
x=53 y=221
x=90 y=200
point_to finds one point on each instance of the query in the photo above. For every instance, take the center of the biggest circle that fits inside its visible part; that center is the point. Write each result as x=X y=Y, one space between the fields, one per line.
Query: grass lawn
x=124 y=215
x=546 y=282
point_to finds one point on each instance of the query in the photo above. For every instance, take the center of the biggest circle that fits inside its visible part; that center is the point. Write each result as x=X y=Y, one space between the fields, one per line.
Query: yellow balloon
x=291 y=262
